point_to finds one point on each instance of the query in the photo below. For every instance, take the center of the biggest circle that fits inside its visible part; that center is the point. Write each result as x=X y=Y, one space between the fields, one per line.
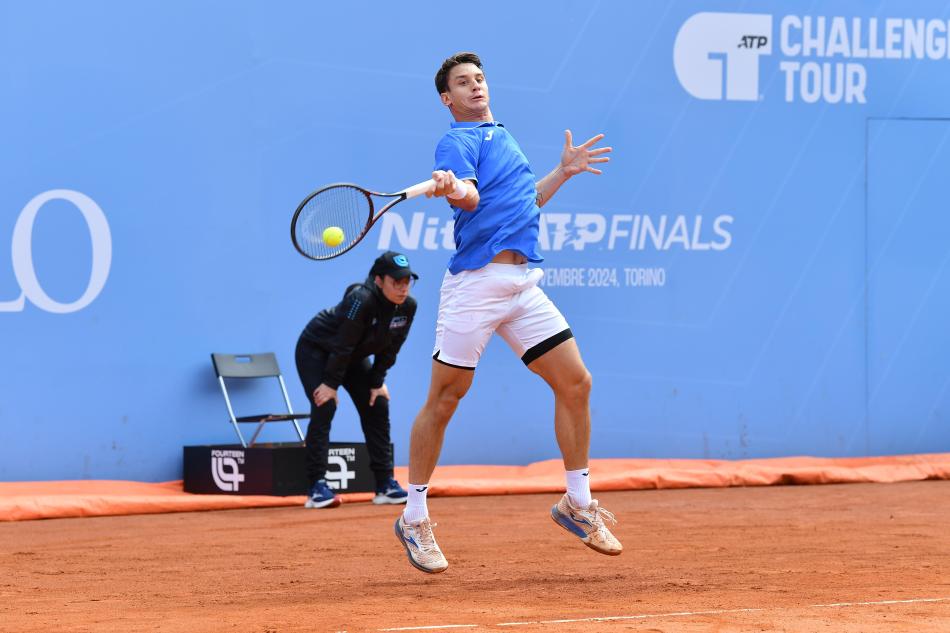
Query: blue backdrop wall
x=761 y=270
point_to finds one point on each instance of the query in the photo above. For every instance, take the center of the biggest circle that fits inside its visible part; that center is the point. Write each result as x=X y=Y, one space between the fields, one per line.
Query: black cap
x=394 y=264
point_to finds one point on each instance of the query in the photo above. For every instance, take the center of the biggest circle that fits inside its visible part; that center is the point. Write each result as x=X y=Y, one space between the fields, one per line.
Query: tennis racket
x=348 y=211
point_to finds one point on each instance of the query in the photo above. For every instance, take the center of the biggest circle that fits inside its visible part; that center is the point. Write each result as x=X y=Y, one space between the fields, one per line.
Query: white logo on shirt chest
x=488 y=134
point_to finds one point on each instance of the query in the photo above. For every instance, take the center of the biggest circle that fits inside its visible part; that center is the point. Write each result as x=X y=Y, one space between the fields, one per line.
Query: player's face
x=467 y=92
x=396 y=290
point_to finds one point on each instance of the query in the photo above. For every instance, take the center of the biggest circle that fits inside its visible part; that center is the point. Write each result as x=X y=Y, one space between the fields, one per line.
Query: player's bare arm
x=459 y=193
x=574 y=160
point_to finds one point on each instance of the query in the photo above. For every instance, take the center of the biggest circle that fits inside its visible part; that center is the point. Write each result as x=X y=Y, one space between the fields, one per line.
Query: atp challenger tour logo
x=24 y=269
x=575 y=231
x=718 y=55
x=226 y=469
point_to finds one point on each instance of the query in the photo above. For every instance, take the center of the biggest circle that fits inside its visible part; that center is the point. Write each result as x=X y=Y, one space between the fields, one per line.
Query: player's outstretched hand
x=575 y=160
x=445 y=183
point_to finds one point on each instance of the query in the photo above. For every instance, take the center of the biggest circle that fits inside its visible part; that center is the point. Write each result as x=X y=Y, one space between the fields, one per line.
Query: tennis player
x=489 y=288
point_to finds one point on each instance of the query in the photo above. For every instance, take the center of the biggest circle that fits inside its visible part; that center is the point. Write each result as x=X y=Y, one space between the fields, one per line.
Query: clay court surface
x=858 y=557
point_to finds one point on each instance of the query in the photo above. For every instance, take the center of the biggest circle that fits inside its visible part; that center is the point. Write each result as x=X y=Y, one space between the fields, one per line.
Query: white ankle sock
x=416 y=508
x=578 y=487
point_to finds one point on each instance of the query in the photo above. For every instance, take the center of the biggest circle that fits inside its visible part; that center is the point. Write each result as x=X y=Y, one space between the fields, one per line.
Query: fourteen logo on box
x=225 y=469
x=339 y=474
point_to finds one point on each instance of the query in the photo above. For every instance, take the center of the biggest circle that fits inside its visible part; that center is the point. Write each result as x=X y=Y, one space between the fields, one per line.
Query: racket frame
x=409 y=192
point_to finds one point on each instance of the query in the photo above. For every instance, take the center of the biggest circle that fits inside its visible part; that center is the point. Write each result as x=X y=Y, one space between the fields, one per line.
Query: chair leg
x=257 y=432
x=290 y=409
x=238 y=431
x=299 y=433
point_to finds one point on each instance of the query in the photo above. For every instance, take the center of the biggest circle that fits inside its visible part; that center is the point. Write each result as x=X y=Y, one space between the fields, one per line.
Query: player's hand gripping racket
x=333 y=219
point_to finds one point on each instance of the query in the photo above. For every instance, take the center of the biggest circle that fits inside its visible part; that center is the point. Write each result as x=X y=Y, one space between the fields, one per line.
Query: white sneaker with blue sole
x=588 y=525
x=419 y=542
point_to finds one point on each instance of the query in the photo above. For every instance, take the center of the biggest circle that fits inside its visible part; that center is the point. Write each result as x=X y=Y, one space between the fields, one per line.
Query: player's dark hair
x=442 y=77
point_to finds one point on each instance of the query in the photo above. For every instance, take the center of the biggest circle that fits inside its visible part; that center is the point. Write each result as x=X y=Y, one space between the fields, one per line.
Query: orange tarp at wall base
x=58 y=499
x=644 y=474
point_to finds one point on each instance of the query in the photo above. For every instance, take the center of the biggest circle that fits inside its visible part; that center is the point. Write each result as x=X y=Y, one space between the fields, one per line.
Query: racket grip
x=419 y=189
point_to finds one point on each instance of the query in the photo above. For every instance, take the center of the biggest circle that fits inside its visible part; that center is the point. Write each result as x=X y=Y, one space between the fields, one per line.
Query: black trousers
x=374 y=419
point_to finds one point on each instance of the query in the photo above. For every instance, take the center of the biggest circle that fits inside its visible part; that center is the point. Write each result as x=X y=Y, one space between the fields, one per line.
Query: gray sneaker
x=423 y=552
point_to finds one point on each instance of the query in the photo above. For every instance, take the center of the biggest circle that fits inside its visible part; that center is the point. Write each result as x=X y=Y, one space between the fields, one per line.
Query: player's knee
x=445 y=403
x=585 y=384
x=577 y=390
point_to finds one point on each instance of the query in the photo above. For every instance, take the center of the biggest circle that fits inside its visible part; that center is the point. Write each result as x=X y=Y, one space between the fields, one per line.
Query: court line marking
x=861 y=604
x=442 y=626
x=645 y=616
x=630 y=617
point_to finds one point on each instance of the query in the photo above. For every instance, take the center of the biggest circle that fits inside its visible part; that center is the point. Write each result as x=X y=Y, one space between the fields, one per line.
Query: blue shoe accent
x=405 y=541
x=569 y=523
x=390 y=492
x=589 y=524
x=321 y=496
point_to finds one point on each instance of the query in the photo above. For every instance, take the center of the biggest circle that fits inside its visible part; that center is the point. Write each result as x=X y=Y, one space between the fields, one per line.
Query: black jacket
x=365 y=323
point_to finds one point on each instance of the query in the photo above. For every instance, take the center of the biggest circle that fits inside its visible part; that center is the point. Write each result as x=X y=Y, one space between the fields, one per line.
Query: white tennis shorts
x=502 y=298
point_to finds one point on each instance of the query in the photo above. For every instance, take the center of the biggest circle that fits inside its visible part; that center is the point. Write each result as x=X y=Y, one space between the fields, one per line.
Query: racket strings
x=343 y=207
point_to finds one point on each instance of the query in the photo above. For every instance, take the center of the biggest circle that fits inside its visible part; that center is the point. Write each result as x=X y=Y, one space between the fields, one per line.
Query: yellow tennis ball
x=332 y=236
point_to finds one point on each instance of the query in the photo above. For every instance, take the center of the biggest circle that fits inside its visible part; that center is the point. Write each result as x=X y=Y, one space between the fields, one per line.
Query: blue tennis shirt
x=507 y=217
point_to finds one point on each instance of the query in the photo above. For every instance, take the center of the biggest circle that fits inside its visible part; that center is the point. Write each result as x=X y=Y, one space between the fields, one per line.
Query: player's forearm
x=549 y=185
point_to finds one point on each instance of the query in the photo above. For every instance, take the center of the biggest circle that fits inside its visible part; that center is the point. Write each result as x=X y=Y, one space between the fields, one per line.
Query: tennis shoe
x=588 y=524
x=390 y=492
x=419 y=541
x=321 y=496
